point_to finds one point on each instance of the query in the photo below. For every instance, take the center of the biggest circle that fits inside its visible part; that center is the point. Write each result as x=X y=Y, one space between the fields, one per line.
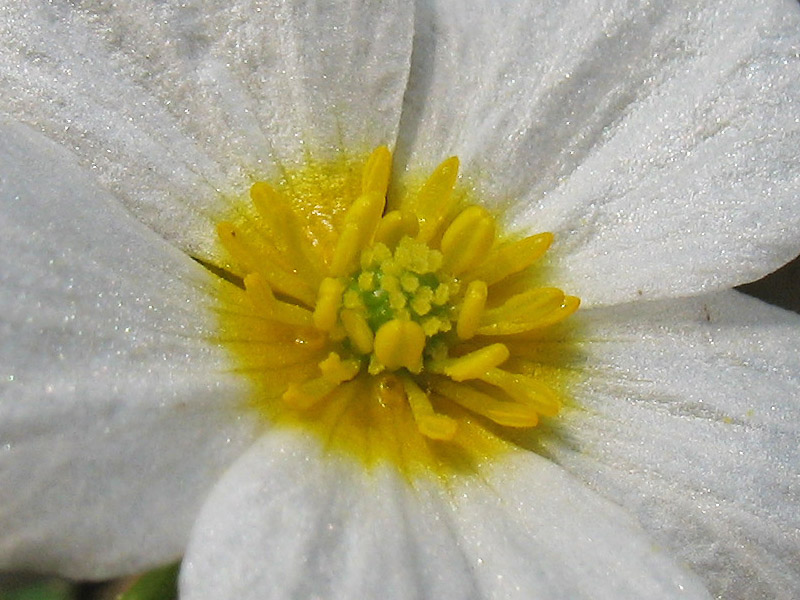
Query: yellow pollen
x=407 y=337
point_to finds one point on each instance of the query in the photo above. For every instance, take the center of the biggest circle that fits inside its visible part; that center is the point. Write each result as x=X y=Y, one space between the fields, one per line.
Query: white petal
x=689 y=416
x=289 y=522
x=536 y=532
x=657 y=140
x=117 y=412
x=285 y=522
x=179 y=105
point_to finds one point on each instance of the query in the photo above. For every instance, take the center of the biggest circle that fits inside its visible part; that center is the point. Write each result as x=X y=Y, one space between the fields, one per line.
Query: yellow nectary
x=381 y=330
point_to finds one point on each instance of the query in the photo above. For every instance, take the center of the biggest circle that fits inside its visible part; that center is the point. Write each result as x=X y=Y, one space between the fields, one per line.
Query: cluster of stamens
x=415 y=296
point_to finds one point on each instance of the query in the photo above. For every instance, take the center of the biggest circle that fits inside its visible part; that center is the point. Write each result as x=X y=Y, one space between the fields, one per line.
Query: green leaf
x=158 y=584
x=48 y=589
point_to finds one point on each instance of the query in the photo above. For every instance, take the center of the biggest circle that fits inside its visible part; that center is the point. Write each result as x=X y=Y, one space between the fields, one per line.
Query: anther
x=394 y=226
x=511 y=258
x=467 y=240
x=256 y=260
x=329 y=300
x=469 y=317
x=335 y=371
x=261 y=295
x=473 y=365
x=360 y=223
x=399 y=344
x=429 y=423
x=435 y=199
x=375 y=178
x=525 y=389
x=358 y=330
x=522 y=312
x=509 y=414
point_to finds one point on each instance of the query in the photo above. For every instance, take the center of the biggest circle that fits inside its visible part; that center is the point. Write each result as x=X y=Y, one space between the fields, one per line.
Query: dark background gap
x=781 y=288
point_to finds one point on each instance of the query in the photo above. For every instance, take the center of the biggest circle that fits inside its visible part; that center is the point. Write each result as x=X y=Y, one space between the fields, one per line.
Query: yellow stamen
x=334 y=372
x=522 y=312
x=508 y=414
x=360 y=224
x=430 y=424
x=471 y=366
x=511 y=258
x=330 y=299
x=358 y=330
x=376 y=172
x=262 y=295
x=467 y=240
x=286 y=232
x=255 y=261
x=435 y=200
x=399 y=344
x=567 y=308
x=469 y=318
x=337 y=370
x=525 y=389
x=394 y=226
x=378 y=331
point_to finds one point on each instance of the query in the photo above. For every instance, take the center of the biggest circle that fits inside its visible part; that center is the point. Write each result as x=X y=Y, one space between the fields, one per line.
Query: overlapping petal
x=655 y=140
x=117 y=410
x=178 y=106
x=288 y=521
x=688 y=417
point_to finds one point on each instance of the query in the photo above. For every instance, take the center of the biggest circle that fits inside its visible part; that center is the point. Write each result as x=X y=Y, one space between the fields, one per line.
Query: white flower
x=657 y=143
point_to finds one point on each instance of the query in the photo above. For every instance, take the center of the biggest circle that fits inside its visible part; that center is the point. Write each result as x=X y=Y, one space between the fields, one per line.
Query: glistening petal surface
x=656 y=140
x=689 y=417
x=116 y=411
x=179 y=106
x=289 y=521
x=286 y=521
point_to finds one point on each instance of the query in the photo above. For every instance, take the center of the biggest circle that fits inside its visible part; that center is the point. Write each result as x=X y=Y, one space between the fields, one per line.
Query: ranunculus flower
x=172 y=355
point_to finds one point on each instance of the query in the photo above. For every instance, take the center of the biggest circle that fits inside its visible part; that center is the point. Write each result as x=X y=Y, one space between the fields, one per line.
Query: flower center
x=420 y=313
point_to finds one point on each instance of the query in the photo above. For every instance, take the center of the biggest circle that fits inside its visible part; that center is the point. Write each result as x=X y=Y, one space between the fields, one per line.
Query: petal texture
x=689 y=417
x=117 y=412
x=288 y=521
x=178 y=106
x=534 y=531
x=656 y=140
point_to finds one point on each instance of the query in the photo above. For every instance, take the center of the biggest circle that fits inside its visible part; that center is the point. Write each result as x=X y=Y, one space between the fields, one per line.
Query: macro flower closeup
x=401 y=300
